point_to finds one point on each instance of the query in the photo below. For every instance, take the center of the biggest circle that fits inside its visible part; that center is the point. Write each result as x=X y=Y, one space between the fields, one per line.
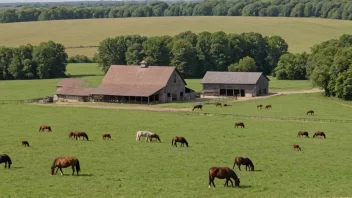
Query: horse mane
x=54 y=162
x=185 y=141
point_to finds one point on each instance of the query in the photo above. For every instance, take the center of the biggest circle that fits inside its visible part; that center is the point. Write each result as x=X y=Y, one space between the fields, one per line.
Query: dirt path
x=149 y=108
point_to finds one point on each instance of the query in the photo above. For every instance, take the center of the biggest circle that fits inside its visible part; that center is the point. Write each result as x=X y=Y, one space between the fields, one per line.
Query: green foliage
x=291 y=67
x=79 y=59
x=338 y=9
x=247 y=64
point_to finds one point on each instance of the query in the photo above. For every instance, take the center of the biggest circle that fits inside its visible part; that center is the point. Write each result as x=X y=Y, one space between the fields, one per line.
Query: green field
x=299 y=33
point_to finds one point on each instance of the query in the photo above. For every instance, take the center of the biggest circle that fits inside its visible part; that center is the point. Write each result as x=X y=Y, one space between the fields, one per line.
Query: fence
x=37 y=100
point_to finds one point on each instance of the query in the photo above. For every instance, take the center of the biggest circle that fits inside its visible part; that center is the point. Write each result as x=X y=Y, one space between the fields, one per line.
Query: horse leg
x=62 y=174
x=239 y=167
x=73 y=170
x=56 y=171
x=175 y=144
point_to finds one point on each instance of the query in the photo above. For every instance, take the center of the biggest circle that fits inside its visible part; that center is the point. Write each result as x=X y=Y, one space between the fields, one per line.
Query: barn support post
x=142 y=99
x=129 y=99
x=148 y=99
x=154 y=98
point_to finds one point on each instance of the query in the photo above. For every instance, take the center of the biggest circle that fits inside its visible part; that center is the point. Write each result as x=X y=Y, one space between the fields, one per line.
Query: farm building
x=242 y=84
x=71 y=89
x=135 y=84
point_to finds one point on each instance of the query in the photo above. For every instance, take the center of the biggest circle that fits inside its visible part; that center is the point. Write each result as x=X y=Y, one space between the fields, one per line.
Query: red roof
x=74 y=91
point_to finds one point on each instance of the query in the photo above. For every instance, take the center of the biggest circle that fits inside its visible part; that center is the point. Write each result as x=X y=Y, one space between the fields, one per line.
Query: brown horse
x=243 y=161
x=81 y=134
x=319 y=133
x=302 y=133
x=227 y=105
x=311 y=112
x=71 y=134
x=198 y=107
x=296 y=146
x=43 y=127
x=223 y=173
x=25 y=143
x=218 y=104
x=239 y=124
x=106 y=135
x=259 y=106
x=179 y=139
x=64 y=162
x=268 y=106
x=156 y=136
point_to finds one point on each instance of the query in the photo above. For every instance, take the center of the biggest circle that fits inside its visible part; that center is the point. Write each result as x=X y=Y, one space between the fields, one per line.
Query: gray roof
x=245 y=78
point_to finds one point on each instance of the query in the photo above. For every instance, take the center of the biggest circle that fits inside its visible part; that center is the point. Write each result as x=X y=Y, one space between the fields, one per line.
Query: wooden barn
x=71 y=89
x=241 y=84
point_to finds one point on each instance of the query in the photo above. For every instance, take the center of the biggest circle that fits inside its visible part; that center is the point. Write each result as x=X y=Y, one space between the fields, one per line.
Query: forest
x=332 y=9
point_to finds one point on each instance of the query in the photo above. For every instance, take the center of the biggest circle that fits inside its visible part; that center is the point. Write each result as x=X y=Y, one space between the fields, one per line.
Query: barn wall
x=69 y=98
x=250 y=90
x=174 y=88
x=262 y=85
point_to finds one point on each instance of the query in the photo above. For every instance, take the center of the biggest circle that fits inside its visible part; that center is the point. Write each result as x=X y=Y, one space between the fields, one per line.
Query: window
x=168 y=94
x=181 y=94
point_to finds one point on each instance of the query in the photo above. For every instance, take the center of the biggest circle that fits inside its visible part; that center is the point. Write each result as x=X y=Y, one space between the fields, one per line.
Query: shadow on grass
x=18 y=167
x=245 y=186
x=85 y=175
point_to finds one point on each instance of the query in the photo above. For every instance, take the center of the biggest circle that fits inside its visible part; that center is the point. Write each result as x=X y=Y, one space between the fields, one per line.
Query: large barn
x=242 y=84
x=135 y=84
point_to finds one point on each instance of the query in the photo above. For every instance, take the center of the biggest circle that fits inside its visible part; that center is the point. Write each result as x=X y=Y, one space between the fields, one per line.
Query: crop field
x=299 y=33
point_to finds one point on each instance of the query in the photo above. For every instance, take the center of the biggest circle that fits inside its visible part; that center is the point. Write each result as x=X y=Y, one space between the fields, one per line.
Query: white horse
x=146 y=134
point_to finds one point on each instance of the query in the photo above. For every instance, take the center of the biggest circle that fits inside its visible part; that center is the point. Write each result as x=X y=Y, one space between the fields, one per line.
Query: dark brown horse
x=227 y=105
x=81 y=134
x=223 y=173
x=106 y=135
x=156 y=136
x=64 y=162
x=296 y=146
x=319 y=133
x=239 y=124
x=25 y=143
x=259 y=106
x=243 y=161
x=311 y=112
x=268 y=106
x=218 y=104
x=198 y=107
x=302 y=133
x=179 y=139
x=4 y=158
x=43 y=127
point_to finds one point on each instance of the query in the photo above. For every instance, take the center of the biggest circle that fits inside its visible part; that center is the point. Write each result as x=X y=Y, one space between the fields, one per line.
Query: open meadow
x=299 y=33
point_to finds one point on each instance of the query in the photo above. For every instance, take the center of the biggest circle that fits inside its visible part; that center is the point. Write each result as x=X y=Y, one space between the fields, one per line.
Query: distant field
x=300 y=33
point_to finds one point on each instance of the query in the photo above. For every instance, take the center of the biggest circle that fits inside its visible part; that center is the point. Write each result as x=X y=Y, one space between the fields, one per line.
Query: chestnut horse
x=179 y=139
x=227 y=105
x=268 y=106
x=106 y=135
x=319 y=133
x=198 y=107
x=71 y=134
x=223 y=173
x=243 y=161
x=302 y=133
x=239 y=124
x=4 y=158
x=81 y=134
x=218 y=104
x=311 y=112
x=295 y=146
x=259 y=106
x=25 y=143
x=43 y=127
x=64 y=162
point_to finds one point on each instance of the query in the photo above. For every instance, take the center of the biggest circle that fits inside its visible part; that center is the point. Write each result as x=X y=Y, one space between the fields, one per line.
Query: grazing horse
x=296 y=146
x=239 y=124
x=268 y=106
x=4 y=158
x=64 y=162
x=156 y=136
x=302 y=133
x=78 y=135
x=147 y=134
x=43 y=127
x=71 y=134
x=311 y=112
x=179 y=139
x=106 y=135
x=319 y=133
x=218 y=104
x=25 y=143
x=259 y=106
x=223 y=173
x=198 y=107
x=227 y=105
x=243 y=161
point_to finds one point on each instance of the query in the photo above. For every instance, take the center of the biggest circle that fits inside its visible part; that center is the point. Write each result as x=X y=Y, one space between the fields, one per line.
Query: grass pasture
x=299 y=33
x=125 y=168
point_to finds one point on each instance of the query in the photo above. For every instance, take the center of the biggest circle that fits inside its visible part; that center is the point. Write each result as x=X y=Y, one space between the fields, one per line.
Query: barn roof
x=247 y=78
x=71 y=82
x=134 y=80
x=74 y=91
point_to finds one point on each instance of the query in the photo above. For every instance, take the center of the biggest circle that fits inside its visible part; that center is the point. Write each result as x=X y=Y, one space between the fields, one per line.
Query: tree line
x=47 y=60
x=333 y=9
x=194 y=54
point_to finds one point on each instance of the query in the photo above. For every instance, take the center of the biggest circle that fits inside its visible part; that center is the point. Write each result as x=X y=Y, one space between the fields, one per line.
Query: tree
x=184 y=58
x=157 y=51
x=134 y=54
x=220 y=51
x=276 y=47
x=51 y=60
x=292 y=67
x=247 y=64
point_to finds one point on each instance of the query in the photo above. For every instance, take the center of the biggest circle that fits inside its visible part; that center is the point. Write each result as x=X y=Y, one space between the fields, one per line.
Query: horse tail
x=78 y=168
x=137 y=136
x=54 y=163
